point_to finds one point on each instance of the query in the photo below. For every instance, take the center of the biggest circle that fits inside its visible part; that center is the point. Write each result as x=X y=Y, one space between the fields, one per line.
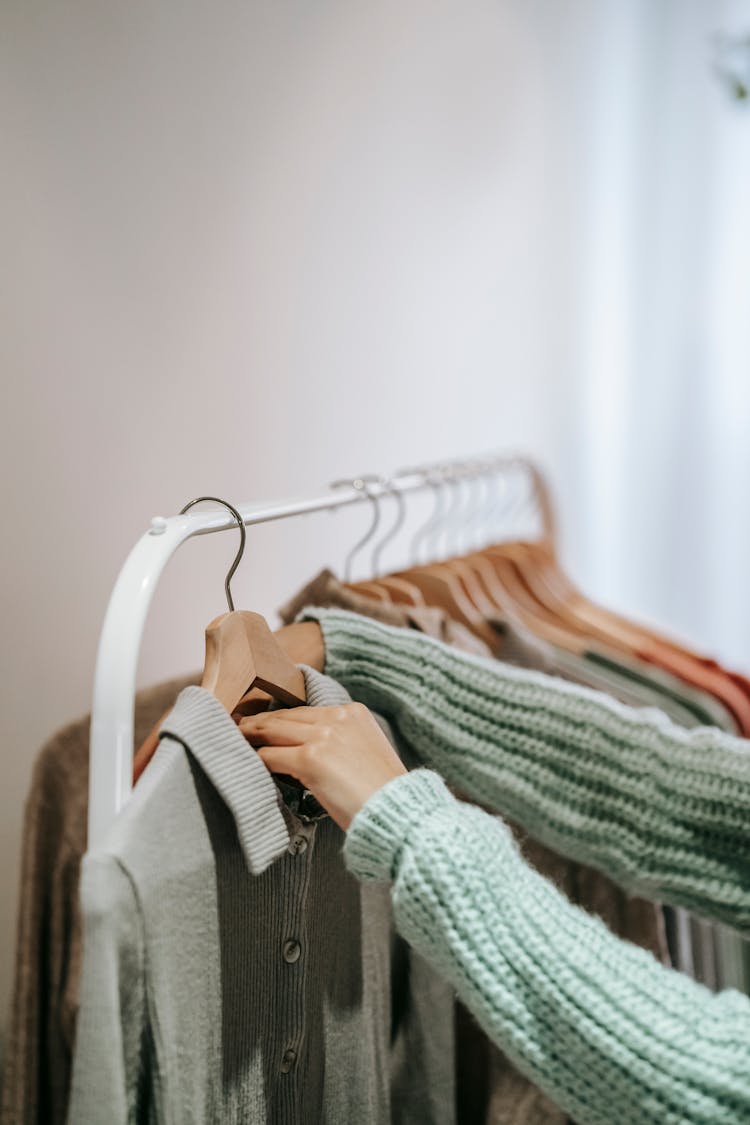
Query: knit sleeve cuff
x=383 y=825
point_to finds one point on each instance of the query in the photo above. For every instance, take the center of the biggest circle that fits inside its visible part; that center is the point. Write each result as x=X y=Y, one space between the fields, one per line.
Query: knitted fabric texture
x=663 y=810
x=601 y=1026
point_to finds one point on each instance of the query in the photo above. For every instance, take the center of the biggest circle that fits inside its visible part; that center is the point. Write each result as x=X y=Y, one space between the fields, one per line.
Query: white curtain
x=660 y=463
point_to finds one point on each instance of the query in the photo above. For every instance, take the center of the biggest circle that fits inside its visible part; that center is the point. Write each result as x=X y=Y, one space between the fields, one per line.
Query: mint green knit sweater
x=610 y=1034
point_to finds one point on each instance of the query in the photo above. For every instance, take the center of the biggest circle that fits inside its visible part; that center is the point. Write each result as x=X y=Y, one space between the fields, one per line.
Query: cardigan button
x=292 y=951
x=288 y=1061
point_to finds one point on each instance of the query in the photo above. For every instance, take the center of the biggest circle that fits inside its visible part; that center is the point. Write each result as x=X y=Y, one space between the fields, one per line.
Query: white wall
x=248 y=248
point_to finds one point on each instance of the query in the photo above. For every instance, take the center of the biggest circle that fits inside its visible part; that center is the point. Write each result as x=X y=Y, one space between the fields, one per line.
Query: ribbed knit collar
x=210 y=735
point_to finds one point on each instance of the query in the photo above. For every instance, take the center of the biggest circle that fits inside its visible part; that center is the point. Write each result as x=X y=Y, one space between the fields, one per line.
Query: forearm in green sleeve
x=663 y=811
x=598 y=1024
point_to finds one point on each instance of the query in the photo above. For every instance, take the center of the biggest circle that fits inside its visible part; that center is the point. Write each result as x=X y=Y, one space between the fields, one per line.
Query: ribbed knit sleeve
x=663 y=811
x=597 y=1023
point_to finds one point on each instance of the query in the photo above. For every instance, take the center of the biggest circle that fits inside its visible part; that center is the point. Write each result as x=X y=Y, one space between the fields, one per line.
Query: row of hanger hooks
x=470 y=500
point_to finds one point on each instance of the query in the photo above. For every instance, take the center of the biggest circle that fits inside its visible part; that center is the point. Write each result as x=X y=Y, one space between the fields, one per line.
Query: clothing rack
x=112 y=714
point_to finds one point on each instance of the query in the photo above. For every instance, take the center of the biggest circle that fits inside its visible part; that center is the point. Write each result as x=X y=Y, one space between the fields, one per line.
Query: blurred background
x=248 y=248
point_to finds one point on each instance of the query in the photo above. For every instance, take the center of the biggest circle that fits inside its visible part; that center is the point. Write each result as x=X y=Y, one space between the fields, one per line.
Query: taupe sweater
x=39 y=1046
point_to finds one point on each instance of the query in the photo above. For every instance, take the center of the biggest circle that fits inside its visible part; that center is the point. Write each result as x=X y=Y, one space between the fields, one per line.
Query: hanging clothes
x=233 y=970
x=601 y=1025
x=517 y=649
x=48 y=952
x=41 y=1031
x=489 y=1088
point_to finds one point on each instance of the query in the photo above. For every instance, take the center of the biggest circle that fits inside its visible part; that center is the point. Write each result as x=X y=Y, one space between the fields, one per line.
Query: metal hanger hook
x=475 y=515
x=432 y=476
x=453 y=529
x=243 y=537
x=440 y=479
x=507 y=503
x=360 y=484
x=388 y=486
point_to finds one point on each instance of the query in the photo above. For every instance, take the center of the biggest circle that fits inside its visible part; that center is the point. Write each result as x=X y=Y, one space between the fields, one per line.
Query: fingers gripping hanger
x=241 y=651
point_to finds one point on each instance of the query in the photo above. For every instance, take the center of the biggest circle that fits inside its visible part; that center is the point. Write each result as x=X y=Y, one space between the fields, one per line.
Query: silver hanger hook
x=497 y=500
x=390 y=535
x=466 y=475
x=523 y=500
x=452 y=480
x=421 y=471
x=427 y=474
x=243 y=537
x=507 y=502
x=449 y=525
x=360 y=484
x=480 y=492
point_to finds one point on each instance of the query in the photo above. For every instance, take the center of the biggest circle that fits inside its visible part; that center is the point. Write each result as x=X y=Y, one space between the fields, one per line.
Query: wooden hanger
x=609 y=631
x=241 y=651
x=451 y=587
x=441 y=587
x=491 y=586
x=471 y=580
x=395 y=590
x=470 y=577
x=543 y=576
x=370 y=589
x=537 y=569
x=242 y=654
x=517 y=588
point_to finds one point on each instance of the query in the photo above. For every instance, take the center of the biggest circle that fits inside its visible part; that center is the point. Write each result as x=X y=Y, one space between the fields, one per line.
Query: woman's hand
x=339 y=753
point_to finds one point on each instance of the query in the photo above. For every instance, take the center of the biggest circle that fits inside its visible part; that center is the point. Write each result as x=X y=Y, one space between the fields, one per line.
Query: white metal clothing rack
x=112 y=714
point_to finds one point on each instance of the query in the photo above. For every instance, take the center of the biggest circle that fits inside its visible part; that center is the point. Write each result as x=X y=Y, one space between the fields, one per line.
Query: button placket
x=293 y=955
